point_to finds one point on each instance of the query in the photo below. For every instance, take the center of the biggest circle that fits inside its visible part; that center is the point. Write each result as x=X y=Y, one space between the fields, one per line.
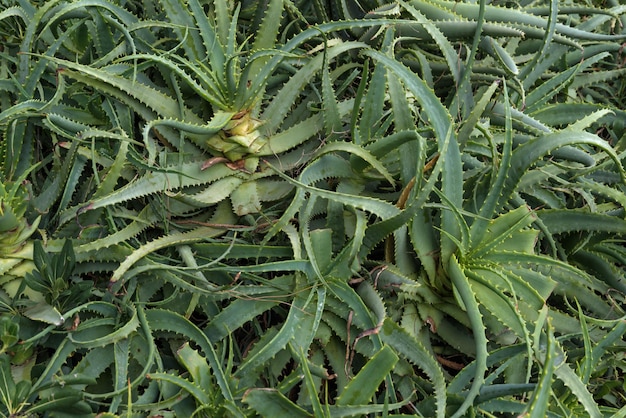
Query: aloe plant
x=311 y=208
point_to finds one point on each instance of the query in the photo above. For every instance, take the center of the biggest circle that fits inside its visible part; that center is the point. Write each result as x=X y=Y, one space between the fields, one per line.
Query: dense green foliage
x=312 y=208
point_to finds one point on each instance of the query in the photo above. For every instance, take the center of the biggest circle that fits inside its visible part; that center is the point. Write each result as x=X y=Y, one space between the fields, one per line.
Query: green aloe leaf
x=409 y=348
x=160 y=319
x=539 y=402
x=364 y=385
x=293 y=329
x=442 y=125
x=468 y=298
x=271 y=403
x=44 y=312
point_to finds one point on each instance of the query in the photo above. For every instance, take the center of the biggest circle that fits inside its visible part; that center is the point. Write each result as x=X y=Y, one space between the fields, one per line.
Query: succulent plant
x=326 y=208
x=16 y=245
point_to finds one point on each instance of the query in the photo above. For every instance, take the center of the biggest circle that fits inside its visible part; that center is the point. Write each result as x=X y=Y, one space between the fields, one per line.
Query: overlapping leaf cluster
x=317 y=208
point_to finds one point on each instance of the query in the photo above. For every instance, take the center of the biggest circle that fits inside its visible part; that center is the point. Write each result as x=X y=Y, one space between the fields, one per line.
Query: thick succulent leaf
x=412 y=350
x=271 y=403
x=364 y=385
x=293 y=329
x=468 y=299
x=159 y=319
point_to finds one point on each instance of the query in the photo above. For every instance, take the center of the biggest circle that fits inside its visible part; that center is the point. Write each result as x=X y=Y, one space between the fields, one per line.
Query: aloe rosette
x=16 y=249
